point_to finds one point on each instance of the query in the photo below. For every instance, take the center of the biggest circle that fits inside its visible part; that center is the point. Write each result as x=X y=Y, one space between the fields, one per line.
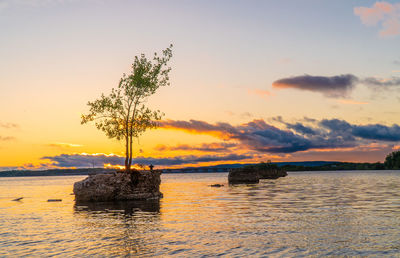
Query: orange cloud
x=261 y=93
x=64 y=145
x=352 y=102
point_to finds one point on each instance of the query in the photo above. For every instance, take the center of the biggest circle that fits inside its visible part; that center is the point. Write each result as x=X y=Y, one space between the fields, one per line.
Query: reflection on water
x=125 y=207
x=303 y=214
x=117 y=228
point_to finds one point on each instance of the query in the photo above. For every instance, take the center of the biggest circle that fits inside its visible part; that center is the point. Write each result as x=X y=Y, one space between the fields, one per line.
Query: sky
x=251 y=81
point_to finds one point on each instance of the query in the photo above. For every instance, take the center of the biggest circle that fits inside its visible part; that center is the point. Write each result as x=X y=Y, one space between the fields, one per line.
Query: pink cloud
x=383 y=13
x=261 y=93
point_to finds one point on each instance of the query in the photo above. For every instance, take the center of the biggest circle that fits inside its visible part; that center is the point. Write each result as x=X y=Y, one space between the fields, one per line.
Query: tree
x=123 y=114
x=392 y=160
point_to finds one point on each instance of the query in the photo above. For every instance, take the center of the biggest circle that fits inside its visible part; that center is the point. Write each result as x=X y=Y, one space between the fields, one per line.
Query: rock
x=54 y=200
x=135 y=185
x=216 y=185
x=253 y=173
x=272 y=173
x=243 y=175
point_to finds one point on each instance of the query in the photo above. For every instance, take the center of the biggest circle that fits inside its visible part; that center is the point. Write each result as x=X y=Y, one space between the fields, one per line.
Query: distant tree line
x=392 y=161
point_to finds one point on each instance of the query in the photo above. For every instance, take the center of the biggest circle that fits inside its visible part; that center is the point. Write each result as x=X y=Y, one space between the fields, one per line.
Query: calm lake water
x=304 y=214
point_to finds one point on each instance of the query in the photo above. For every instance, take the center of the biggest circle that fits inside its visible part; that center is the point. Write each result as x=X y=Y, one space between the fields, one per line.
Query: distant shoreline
x=223 y=168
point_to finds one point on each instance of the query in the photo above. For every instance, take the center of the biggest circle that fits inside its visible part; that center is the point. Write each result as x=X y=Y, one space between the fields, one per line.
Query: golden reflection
x=303 y=214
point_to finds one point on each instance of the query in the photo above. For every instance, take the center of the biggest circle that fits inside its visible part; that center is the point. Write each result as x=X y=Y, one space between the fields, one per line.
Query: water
x=304 y=214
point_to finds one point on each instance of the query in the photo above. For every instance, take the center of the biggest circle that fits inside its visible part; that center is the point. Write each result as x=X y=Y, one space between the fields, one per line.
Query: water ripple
x=305 y=214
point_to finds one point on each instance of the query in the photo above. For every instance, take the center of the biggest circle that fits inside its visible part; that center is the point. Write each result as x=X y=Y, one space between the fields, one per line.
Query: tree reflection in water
x=122 y=226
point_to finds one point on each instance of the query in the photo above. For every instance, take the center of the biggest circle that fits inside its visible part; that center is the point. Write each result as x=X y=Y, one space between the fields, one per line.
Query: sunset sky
x=251 y=80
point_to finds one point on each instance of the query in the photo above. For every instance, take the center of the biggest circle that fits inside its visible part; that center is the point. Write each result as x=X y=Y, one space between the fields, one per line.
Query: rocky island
x=253 y=173
x=119 y=185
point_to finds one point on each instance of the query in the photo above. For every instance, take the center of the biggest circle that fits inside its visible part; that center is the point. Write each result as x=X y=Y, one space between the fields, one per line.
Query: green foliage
x=123 y=114
x=392 y=160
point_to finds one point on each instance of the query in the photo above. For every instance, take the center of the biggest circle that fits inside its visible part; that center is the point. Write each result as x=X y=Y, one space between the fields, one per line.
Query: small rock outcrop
x=121 y=185
x=253 y=173
x=244 y=175
x=272 y=173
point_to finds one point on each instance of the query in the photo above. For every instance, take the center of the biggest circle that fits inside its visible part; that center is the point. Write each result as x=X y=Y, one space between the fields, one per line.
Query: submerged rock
x=253 y=173
x=135 y=185
x=216 y=185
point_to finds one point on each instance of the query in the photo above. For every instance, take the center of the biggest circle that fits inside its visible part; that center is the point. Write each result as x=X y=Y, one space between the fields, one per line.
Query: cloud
x=241 y=115
x=8 y=168
x=298 y=127
x=377 y=132
x=100 y=160
x=261 y=137
x=367 y=132
x=84 y=160
x=8 y=125
x=256 y=139
x=205 y=147
x=7 y=138
x=339 y=86
x=256 y=135
x=376 y=82
x=351 y=102
x=385 y=14
x=196 y=126
x=333 y=87
x=63 y=145
x=260 y=93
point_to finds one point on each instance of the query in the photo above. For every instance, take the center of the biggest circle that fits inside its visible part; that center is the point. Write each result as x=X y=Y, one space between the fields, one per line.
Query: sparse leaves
x=123 y=114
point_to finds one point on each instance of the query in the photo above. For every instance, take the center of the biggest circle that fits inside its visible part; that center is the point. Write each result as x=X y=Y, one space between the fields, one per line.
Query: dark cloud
x=369 y=132
x=81 y=160
x=190 y=159
x=259 y=136
x=205 y=147
x=335 y=125
x=8 y=168
x=339 y=86
x=334 y=86
x=378 y=132
x=300 y=128
x=374 y=82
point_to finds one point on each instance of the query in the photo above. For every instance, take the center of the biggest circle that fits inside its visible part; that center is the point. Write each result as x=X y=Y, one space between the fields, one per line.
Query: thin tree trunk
x=126 y=152
x=127 y=166
x=131 y=134
x=130 y=152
